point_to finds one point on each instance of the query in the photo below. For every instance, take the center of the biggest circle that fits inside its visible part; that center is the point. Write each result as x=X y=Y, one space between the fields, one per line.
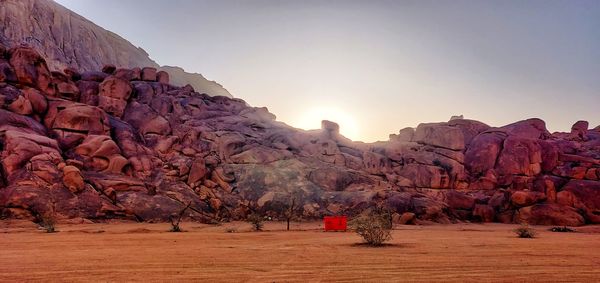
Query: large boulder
x=459 y=200
x=30 y=69
x=483 y=152
x=568 y=198
x=162 y=77
x=579 y=130
x=197 y=171
x=113 y=95
x=20 y=147
x=149 y=74
x=520 y=157
x=424 y=176
x=429 y=209
x=73 y=122
x=65 y=88
x=406 y=218
x=331 y=130
x=440 y=135
x=526 y=198
x=39 y=103
x=10 y=120
x=533 y=128
x=88 y=92
x=470 y=128
x=549 y=214
x=21 y=105
x=72 y=178
x=586 y=191
x=146 y=120
x=100 y=153
x=484 y=213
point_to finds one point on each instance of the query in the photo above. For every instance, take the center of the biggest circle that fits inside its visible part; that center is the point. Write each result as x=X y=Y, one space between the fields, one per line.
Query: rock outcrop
x=126 y=144
x=68 y=40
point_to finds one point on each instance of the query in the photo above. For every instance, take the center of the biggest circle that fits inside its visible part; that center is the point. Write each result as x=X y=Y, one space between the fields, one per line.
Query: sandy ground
x=145 y=252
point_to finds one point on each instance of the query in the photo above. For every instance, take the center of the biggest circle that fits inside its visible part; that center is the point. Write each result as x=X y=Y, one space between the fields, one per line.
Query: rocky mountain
x=66 y=39
x=126 y=144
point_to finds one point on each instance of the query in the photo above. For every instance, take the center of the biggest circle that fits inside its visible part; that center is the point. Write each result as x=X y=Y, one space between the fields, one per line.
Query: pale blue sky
x=379 y=66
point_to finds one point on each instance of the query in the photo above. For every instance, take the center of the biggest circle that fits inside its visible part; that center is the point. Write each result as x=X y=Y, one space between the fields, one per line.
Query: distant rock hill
x=126 y=144
x=67 y=39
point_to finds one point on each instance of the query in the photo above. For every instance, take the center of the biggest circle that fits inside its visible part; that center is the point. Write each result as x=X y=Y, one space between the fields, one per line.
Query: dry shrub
x=48 y=222
x=525 y=232
x=256 y=221
x=176 y=219
x=374 y=227
x=562 y=229
x=45 y=217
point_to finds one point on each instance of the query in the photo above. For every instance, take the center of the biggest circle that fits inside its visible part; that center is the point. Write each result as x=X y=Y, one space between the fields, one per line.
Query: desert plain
x=232 y=252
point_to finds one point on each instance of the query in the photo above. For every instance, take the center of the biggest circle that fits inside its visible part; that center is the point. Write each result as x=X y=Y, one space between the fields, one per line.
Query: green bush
x=374 y=227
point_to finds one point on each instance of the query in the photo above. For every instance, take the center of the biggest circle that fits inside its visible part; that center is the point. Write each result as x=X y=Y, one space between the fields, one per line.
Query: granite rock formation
x=126 y=144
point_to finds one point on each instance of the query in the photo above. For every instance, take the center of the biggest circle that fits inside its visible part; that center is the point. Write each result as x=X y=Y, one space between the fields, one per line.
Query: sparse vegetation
x=525 y=232
x=562 y=229
x=46 y=216
x=374 y=227
x=256 y=220
x=48 y=222
x=231 y=230
x=289 y=212
x=176 y=219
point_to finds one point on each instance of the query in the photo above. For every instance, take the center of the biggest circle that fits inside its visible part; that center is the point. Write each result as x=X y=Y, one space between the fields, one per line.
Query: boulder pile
x=123 y=143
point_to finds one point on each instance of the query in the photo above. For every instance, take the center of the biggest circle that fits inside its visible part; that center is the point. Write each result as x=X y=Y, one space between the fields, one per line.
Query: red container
x=335 y=223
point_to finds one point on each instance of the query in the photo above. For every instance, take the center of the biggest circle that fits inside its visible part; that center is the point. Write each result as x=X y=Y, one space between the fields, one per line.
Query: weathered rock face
x=30 y=69
x=113 y=95
x=66 y=40
x=123 y=143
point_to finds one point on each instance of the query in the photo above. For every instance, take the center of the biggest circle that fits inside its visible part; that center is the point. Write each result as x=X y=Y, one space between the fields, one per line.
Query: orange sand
x=145 y=252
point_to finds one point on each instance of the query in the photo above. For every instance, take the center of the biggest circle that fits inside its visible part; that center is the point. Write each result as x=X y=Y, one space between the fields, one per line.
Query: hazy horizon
x=376 y=67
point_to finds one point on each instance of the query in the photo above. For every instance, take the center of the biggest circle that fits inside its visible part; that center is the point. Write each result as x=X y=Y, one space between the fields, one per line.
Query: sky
x=378 y=66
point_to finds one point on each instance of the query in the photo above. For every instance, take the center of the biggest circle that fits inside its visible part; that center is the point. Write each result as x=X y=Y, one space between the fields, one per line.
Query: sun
x=311 y=119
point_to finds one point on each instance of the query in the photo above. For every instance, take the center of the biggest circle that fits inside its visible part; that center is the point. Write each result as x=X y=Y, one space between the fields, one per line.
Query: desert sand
x=146 y=252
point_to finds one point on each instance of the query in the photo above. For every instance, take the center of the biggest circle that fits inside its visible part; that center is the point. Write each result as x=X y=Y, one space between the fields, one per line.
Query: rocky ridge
x=68 y=40
x=126 y=144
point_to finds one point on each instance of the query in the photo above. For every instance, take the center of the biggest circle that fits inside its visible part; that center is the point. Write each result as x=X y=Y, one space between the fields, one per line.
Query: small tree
x=289 y=212
x=374 y=227
x=176 y=219
x=256 y=221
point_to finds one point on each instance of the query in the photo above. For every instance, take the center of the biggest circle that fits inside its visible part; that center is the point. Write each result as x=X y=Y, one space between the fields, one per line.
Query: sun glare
x=312 y=118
